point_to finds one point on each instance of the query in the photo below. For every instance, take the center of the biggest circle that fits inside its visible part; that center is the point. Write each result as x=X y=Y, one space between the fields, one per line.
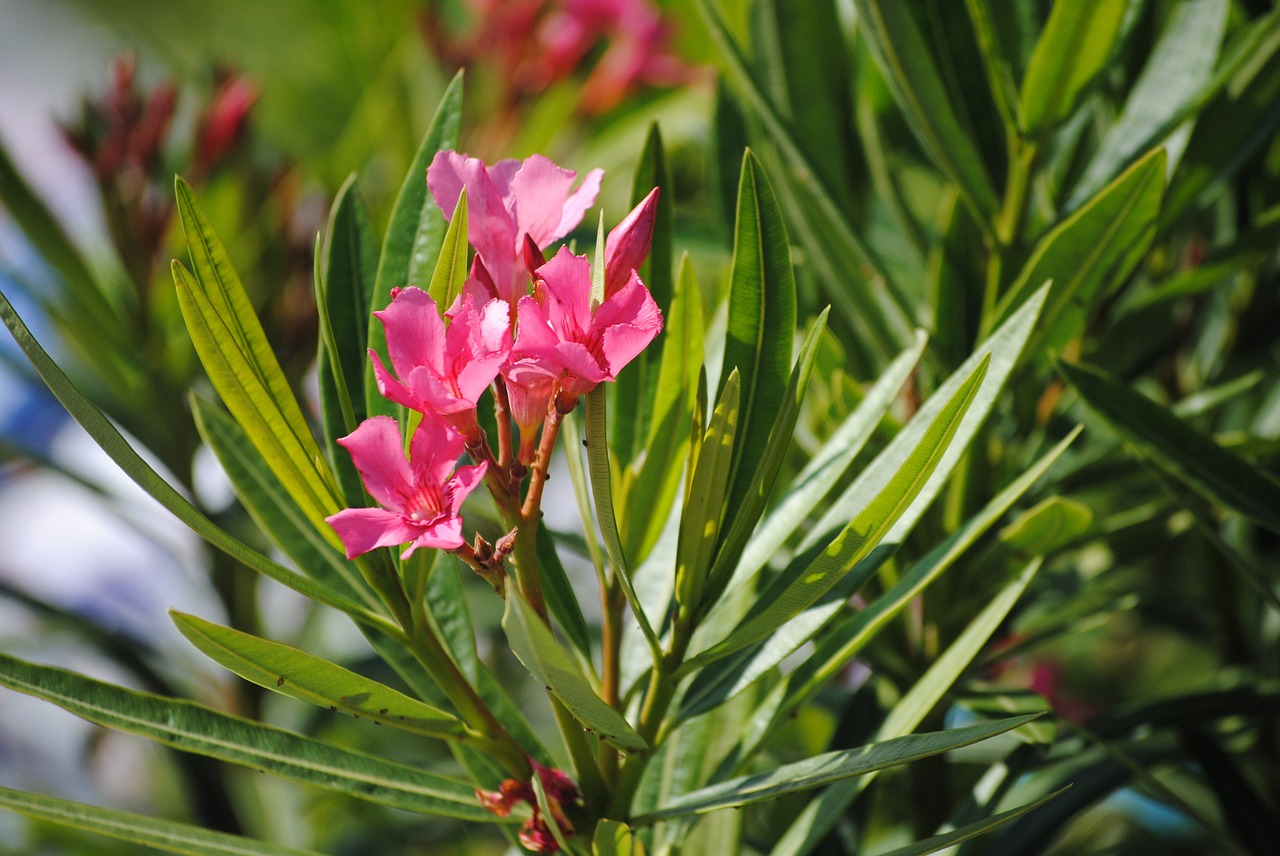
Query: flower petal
x=415 y=331
x=539 y=191
x=377 y=451
x=628 y=244
x=365 y=529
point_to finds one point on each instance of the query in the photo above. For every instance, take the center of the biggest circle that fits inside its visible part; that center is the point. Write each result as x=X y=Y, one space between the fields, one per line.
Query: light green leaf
x=827 y=768
x=761 y=326
x=822 y=814
x=1090 y=254
x=1177 y=75
x=300 y=675
x=1179 y=449
x=118 y=449
x=822 y=471
x=293 y=458
x=451 y=264
x=793 y=593
x=704 y=505
x=415 y=232
x=742 y=520
x=615 y=839
x=191 y=727
x=138 y=829
x=1074 y=47
x=653 y=480
x=907 y=63
x=970 y=830
x=541 y=653
x=597 y=430
x=1047 y=526
x=243 y=345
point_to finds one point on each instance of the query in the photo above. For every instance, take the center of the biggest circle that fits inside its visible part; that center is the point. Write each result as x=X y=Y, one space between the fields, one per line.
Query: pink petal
x=539 y=192
x=533 y=332
x=415 y=331
x=365 y=529
x=628 y=244
x=575 y=207
x=390 y=387
x=444 y=535
x=465 y=480
x=567 y=279
x=490 y=227
x=434 y=451
x=377 y=451
x=582 y=369
x=530 y=383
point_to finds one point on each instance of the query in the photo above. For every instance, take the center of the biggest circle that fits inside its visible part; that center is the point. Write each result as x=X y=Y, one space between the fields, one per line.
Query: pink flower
x=566 y=339
x=507 y=201
x=628 y=244
x=420 y=497
x=441 y=370
x=535 y=834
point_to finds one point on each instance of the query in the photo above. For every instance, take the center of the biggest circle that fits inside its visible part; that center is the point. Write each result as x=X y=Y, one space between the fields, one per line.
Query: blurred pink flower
x=442 y=370
x=535 y=834
x=420 y=497
x=567 y=339
x=507 y=201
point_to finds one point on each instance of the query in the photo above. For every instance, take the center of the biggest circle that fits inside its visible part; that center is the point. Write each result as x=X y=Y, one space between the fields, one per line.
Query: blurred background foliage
x=936 y=161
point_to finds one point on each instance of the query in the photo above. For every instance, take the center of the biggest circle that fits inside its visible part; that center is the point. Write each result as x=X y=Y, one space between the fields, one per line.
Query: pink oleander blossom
x=566 y=339
x=442 y=370
x=507 y=201
x=420 y=496
x=535 y=834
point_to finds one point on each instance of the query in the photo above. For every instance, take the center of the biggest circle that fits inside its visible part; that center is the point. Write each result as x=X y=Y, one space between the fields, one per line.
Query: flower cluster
x=524 y=327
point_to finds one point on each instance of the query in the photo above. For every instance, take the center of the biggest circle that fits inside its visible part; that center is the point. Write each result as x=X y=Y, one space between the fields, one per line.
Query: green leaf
x=970 y=830
x=761 y=326
x=297 y=674
x=1074 y=47
x=541 y=653
x=615 y=839
x=118 y=449
x=653 y=484
x=822 y=471
x=597 y=430
x=415 y=232
x=638 y=383
x=793 y=593
x=139 y=829
x=1179 y=449
x=270 y=506
x=293 y=458
x=1089 y=255
x=821 y=815
x=1175 y=78
x=827 y=768
x=559 y=594
x=240 y=337
x=344 y=291
x=741 y=521
x=703 y=508
x=191 y=727
x=1047 y=526
x=907 y=63
x=451 y=264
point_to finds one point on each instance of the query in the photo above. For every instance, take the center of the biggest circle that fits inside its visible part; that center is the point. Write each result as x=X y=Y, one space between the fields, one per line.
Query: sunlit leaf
x=1073 y=49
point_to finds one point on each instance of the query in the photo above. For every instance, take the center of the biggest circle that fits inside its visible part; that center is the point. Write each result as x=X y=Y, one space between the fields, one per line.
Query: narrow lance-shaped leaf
x=297 y=674
x=292 y=460
x=1178 y=448
x=221 y=286
x=827 y=768
x=704 y=505
x=541 y=653
x=944 y=840
x=821 y=815
x=792 y=594
x=653 y=480
x=118 y=449
x=742 y=521
x=601 y=490
x=139 y=829
x=1095 y=248
x=906 y=61
x=761 y=325
x=1074 y=47
x=414 y=233
x=191 y=727
x=451 y=265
